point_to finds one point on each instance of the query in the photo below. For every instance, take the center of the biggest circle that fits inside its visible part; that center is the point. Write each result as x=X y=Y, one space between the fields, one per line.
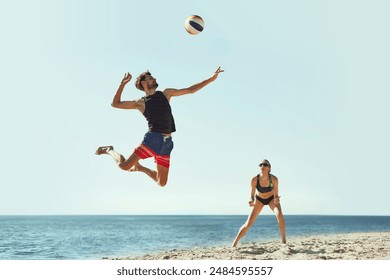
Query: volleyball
x=194 y=24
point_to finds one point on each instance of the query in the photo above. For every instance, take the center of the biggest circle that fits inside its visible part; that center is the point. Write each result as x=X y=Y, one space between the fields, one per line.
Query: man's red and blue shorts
x=156 y=145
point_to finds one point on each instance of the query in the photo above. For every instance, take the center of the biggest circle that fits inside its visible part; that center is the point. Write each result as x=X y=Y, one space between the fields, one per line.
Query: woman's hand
x=251 y=203
x=276 y=199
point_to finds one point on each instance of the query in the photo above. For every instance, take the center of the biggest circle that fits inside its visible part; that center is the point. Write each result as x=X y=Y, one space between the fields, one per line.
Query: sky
x=305 y=86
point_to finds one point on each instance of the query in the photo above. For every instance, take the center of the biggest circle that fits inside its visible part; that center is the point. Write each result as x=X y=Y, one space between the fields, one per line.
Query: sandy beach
x=349 y=246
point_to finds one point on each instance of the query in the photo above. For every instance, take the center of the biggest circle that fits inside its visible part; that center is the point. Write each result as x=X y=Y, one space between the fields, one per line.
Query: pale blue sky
x=305 y=86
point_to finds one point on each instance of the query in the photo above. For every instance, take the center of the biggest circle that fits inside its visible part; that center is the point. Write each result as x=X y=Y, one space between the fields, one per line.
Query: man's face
x=151 y=82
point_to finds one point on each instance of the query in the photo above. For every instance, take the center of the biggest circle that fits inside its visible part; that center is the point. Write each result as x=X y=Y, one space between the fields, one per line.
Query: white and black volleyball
x=194 y=24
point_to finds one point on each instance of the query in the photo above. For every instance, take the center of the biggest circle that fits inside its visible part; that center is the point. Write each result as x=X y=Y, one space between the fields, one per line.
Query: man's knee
x=162 y=182
x=124 y=165
x=162 y=175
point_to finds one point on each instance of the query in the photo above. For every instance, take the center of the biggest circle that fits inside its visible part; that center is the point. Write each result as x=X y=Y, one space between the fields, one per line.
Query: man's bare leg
x=138 y=167
x=132 y=164
x=160 y=176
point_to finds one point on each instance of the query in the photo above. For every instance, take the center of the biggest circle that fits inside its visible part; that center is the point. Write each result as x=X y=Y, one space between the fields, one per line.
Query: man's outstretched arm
x=169 y=92
x=117 y=100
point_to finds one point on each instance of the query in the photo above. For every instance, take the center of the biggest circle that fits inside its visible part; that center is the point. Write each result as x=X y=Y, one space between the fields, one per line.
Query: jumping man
x=157 y=141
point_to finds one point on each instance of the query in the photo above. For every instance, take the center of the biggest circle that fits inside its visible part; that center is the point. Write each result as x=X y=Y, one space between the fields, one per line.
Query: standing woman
x=264 y=187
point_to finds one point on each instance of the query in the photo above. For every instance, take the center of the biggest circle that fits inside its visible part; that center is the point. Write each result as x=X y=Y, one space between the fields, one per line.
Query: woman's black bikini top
x=261 y=189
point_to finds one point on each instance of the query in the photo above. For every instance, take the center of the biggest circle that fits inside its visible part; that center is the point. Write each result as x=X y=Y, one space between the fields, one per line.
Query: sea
x=94 y=237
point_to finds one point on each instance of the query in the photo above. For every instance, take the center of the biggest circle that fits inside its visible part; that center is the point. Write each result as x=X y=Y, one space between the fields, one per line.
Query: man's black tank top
x=158 y=113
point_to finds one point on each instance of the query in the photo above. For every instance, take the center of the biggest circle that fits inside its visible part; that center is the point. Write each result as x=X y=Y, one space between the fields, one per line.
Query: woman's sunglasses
x=264 y=164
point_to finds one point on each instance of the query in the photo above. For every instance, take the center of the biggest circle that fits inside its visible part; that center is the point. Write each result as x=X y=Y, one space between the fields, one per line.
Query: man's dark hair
x=141 y=78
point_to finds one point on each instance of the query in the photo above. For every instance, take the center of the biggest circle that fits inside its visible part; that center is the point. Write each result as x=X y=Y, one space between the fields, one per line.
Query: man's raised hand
x=126 y=78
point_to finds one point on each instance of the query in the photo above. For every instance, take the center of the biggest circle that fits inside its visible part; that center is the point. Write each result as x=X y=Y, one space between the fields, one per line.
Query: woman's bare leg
x=277 y=209
x=249 y=222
